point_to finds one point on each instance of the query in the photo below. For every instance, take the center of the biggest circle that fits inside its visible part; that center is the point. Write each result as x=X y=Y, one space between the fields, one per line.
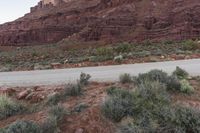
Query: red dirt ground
x=91 y=119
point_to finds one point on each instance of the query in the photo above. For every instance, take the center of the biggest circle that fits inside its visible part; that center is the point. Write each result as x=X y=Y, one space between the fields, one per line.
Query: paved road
x=102 y=73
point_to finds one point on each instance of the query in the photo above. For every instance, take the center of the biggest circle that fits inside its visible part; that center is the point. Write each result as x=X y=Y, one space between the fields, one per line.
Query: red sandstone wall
x=108 y=20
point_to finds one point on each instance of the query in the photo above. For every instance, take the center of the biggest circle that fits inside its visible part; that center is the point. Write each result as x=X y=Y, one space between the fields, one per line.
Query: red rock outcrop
x=108 y=20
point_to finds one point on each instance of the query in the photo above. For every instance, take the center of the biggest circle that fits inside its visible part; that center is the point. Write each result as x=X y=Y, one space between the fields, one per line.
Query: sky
x=13 y=9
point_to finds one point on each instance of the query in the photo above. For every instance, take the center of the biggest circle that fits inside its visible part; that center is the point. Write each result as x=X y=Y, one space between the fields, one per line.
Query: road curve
x=101 y=73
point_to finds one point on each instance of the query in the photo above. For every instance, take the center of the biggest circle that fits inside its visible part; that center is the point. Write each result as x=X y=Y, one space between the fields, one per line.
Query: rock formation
x=107 y=20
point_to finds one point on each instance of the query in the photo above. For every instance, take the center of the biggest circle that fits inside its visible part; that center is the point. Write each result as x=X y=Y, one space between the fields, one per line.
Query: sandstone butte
x=104 y=20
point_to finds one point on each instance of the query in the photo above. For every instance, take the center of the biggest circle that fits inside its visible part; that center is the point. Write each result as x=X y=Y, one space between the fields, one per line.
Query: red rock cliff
x=109 y=20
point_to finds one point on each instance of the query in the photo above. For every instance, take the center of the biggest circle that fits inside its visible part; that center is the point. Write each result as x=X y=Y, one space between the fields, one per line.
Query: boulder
x=23 y=94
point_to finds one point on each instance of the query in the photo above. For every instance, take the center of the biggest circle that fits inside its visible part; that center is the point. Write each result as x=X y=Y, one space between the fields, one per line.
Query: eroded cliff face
x=108 y=20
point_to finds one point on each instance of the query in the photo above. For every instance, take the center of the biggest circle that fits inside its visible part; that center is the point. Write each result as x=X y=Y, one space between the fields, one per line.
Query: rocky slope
x=107 y=20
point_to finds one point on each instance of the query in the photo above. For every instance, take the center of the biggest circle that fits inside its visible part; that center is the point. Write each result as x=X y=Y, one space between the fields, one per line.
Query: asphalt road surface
x=101 y=74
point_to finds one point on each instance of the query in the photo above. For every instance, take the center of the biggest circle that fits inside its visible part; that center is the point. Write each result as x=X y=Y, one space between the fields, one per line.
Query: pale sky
x=13 y=9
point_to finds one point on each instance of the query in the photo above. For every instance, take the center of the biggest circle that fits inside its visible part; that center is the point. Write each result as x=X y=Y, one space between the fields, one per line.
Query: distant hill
x=105 y=20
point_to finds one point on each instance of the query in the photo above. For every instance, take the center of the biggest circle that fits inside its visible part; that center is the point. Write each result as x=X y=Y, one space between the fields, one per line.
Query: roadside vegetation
x=73 y=54
x=148 y=107
x=69 y=90
x=9 y=107
x=55 y=110
x=152 y=102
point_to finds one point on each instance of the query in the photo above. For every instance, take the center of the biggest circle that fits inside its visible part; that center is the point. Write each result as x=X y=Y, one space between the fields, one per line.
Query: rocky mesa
x=107 y=20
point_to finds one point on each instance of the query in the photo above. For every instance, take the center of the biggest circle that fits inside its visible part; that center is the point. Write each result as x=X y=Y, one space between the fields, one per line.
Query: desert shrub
x=147 y=42
x=167 y=42
x=151 y=95
x=73 y=90
x=190 y=45
x=84 y=78
x=123 y=48
x=55 y=116
x=23 y=127
x=119 y=92
x=2 y=130
x=55 y=99
x=125 y=78
x=104 y=51
x=121 y=103
x=100 y=58
x=114 y=108
x=188 y=119
x=70 y=90
x=130 y=128
x=58 y=112
x=180 y=73
x=186 y=87
x=161 y=120
x=50 y=125
x=150 y=106
x=173 y=83
x=78 y=60
x=153 y=75
x=158 y=115
x=8 y=107
x=118 y=104
x=157 y=52
x=80 y=107
x=142 y=53
x=113 y=90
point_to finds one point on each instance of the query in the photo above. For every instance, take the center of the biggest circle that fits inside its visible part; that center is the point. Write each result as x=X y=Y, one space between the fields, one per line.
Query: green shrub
x=23 y=127
x=80 y=107
x=57 y=112
x=147 y=42
x=123 y=48
x=142 y=53
x=190 y=45
x=167 y=42
x=173 y=83
x=104 y=51
x=78 y=60
x=150 y=106
x=166 y=119
x=188 y=119
x=114 y=108
x=73 y=90
x=55 y=99
x=100 y=58
x=153 y=75
x=125 y=78
x=119 y=92
x=121 y=103
x=118 y=105
x=2 y=130
x=152 y=95
x=8 y=107
x=186 y=87
x=180 y=73
x=84 y=78
x=70 y=90
x=113 y=90
x=55 y=117
x=50 y=125
x=131 y=128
